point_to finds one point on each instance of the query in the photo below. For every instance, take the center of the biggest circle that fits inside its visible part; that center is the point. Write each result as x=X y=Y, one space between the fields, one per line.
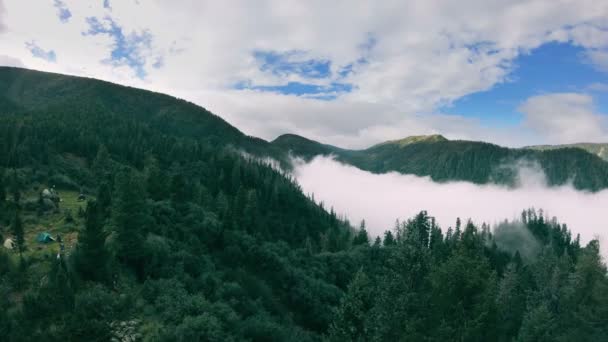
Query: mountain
x=127 y=215
x=448 y=160
x=599 y=149
x=41 y=93
x=183 y=233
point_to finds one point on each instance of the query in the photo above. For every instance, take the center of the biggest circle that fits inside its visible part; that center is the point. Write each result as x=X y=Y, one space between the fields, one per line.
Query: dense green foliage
x=478 y=162
x=599 y=149
x=186 y=234
x=184 y=238
x=462 y=287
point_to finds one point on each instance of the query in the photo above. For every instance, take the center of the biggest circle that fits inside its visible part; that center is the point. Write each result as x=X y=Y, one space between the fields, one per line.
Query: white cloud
x=2 y=26
x=598 y=86
x=10 y=61
x=425 y=54
x=382 y=198
x=598 y=58
x=565 y=118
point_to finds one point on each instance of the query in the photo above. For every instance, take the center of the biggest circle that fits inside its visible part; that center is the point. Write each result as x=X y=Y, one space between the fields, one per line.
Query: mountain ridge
x=599 y=149
x=474 y=161
x=48 y=96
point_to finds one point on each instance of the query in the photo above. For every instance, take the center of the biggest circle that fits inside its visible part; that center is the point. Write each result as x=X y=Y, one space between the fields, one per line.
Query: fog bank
x=382 y=198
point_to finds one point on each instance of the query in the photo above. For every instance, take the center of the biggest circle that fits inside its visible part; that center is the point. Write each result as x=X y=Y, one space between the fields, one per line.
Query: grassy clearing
x=54 y=223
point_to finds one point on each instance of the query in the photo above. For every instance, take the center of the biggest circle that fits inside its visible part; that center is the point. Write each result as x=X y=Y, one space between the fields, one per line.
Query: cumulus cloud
x=344 y=123
x=389 y=65
x=386 y=61
x=565 y=118
x=10 y=61
x=382 y=198
x=2 y=10
x=598 y=58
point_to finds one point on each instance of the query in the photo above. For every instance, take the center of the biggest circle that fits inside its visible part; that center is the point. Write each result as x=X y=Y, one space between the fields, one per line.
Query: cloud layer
x=380 y=199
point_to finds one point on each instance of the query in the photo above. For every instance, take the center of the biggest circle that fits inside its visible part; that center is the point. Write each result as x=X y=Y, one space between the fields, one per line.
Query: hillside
x=601 y=150
x=40 y=94
x=478 y=162
x=180 y=237
x=179 y=224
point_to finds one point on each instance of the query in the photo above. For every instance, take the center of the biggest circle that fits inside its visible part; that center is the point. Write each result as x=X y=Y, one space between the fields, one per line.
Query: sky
x=349 y=73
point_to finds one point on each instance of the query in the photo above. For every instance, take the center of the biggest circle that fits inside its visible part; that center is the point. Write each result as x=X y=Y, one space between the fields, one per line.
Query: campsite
x=41 y=230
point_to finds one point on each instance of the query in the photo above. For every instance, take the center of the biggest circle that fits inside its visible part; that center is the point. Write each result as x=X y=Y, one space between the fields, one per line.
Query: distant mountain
x=446 y=160
x=599 y=149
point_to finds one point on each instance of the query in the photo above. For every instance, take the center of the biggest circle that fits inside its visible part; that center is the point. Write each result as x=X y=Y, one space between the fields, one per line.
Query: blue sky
x=550 y=68
x=63 y=12
x=350 y=73
x=126 y=49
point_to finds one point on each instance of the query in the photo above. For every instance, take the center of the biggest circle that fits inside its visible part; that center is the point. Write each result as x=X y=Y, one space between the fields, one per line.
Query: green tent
x=44 y=238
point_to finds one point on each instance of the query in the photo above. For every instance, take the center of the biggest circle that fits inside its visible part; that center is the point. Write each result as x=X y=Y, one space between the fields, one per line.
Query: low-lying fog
x=380 y=199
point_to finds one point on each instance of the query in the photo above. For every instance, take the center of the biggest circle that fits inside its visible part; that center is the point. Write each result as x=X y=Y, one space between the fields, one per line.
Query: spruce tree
x=130 y=216
x=156 y=180
x=18 y=233
x=2 y=187
x=15 y=188
x=350 y=321
x=104 y=198
x=92 y=254
x=361 y=238
x=389 y=239
x=102 y=164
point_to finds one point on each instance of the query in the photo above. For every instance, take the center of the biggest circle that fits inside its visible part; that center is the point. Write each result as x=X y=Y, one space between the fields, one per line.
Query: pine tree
x=457 y=231
x=130 y=215
x=538 y=325
x=60 y=288
x=436 y=239
x=102 y=165
x=250 y=212
x=350 y=321
x=2 y=187
x=511 y=302
x=389 y=240
x=361 y=238
x=92 y=255
x=15 y=188
x=156 y=183
x=18 y=233
x=104 y=198
x=418 y=230
x=377 y=242
x=179 y=189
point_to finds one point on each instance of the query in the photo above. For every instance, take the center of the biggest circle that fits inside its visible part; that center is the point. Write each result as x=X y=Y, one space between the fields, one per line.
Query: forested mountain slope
x=40 y=93
x=478 y=162
x=601 y=150
x=185 y=234
x=181 y=238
